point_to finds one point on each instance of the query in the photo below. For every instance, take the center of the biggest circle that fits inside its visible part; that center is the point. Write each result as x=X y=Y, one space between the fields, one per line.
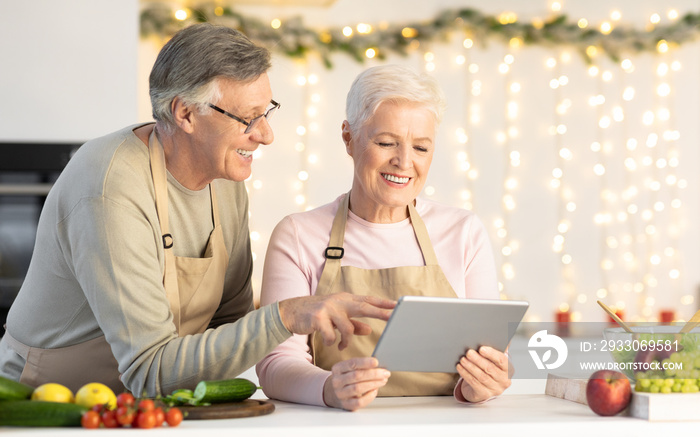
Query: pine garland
x=292 y=38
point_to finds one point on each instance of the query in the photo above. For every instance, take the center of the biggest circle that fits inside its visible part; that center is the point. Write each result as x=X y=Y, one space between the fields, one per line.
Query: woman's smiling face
x=392 y=154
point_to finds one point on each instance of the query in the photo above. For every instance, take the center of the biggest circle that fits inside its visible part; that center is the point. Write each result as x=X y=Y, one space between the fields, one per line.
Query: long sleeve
x=288 y=372
x=130 y=307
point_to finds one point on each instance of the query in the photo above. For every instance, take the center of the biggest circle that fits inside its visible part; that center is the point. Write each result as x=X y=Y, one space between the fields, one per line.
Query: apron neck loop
x=334 y=252
x=338 y=230
x=422 y=236
x=157 y=158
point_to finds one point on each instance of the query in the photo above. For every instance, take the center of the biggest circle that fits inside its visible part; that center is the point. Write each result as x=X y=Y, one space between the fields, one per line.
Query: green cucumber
x=181 y=397
x=40 y=413
x=226 y=390
x=13 y=390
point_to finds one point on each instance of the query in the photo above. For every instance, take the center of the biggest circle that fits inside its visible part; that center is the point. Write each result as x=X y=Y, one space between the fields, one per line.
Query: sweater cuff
x=280 y=331
x=460 y=398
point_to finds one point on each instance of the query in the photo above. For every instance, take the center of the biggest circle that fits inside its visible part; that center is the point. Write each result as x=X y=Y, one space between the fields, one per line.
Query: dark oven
x=27 y=172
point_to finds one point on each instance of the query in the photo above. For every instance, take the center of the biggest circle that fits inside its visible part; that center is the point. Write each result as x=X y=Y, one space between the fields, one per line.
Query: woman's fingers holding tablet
x=354 y=383
x=484 y=374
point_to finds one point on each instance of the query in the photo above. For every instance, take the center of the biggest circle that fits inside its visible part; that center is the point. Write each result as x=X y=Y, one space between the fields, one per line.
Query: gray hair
x=391 y=83
x=189 y=64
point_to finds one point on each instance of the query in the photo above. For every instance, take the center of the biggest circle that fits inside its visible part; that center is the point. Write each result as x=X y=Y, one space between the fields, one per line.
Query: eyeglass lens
x=267 y=114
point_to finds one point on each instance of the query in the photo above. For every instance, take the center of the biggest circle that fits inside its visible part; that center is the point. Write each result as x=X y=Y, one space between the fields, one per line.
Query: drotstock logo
x=540 y=340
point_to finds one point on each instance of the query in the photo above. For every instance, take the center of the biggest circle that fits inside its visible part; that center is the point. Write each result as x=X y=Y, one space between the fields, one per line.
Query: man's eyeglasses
x=249 y=124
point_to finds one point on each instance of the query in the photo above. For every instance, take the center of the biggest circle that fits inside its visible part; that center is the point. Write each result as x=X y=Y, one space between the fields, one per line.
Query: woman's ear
x=347 y=137
x=182 y=114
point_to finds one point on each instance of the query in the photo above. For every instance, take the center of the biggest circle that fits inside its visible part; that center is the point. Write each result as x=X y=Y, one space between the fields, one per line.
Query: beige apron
x=193 y=286
x=390 y=283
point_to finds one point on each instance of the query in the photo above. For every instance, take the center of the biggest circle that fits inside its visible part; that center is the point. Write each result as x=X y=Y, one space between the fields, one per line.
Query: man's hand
x=484 y=374
x=325 y=314
x=354 y=383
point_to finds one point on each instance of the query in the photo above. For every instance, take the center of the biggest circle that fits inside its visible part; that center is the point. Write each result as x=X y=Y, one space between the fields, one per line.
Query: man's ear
x=182 y=114
x=347 y=137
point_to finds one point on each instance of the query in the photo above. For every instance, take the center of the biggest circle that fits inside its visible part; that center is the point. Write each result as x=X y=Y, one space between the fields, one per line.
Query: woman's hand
x=354 y=383
x=484 y=374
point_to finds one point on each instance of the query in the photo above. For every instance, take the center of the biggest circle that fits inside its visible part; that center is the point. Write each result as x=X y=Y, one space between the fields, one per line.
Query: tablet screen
x=431 y=334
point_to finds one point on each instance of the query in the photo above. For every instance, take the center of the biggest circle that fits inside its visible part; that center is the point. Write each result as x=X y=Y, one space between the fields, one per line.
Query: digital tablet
x=431 y=334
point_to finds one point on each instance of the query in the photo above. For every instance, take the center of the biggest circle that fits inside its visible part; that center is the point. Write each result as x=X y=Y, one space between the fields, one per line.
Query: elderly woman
x=141 y=273
x=393 y=244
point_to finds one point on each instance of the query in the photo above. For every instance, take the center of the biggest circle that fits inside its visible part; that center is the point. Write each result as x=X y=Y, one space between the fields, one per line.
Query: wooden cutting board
x=233 y=410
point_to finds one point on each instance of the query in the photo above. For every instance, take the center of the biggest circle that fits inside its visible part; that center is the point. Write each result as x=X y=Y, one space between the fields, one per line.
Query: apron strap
x=157 y=158
x=422 y=236
x=334 y=252
x=214 y=204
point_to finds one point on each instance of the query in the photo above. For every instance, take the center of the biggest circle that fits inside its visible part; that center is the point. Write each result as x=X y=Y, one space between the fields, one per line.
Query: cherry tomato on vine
x=90 y=420
x=160 y=416
x=125 y=400
x=109 y=419
x=173 y=417
x=146 y=419
x=146 y=405
x=125 y=415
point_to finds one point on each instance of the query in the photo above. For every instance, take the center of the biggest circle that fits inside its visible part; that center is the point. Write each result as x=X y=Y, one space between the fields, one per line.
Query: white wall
x=82 y=65
x=67 y=68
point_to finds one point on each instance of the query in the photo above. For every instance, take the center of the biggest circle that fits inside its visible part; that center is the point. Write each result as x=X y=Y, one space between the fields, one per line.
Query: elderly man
x=140 y=277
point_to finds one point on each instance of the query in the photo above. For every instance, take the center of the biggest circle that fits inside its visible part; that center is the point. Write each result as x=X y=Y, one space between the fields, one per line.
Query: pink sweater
x=294 y=263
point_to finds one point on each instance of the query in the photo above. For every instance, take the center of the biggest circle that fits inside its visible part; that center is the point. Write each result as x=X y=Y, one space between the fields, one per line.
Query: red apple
x=608 y=392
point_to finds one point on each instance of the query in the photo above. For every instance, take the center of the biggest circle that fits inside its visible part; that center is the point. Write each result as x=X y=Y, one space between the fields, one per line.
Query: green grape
x=668 y=382
x=668 y=368
x=644 y=383
x=696 y=363
x=694 y=389
x=654 y=389
x=665 y=389
x=677 y=387
x=675 y=357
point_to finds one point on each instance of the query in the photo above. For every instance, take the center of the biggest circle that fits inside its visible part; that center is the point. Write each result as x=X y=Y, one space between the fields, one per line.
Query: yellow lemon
x=95 y=393
x=52 y=392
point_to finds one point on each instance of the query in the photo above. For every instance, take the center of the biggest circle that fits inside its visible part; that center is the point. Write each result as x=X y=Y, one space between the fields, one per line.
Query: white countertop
x=521 y=410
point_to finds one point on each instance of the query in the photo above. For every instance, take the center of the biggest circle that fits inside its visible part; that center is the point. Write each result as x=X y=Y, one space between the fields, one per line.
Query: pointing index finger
x=370 y=306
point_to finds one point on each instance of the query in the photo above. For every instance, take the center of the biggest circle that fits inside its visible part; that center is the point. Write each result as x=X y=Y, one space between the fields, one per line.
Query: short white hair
x=391 y=83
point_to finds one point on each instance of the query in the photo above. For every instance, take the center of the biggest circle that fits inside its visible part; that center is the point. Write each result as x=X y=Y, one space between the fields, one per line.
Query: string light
x=564 y=203
x=512 y=158
x=635 y=172
x=472 y=117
